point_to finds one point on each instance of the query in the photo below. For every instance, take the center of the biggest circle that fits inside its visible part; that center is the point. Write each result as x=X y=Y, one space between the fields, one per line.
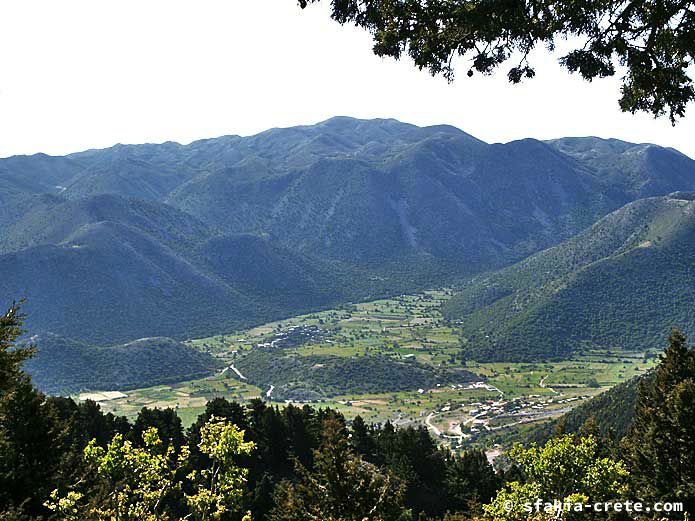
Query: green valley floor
x=395 y=359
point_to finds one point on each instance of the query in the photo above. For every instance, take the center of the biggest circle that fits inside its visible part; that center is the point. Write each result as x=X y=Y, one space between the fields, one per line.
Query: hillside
x=613 y=410
x=67 y=366
x=444 y=197
x=112 y=282
x=624 y=282
x=51 y=219
x=641 y=170
x=319 y=376
x=188 y=240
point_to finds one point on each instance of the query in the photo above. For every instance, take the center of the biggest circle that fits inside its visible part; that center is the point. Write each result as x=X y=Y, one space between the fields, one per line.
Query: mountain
x=108 y=281
x=51 y=219
x=613 y=411
x=623 y=282
x=66 y=366
x=445 y=196
x=640 y=170
x=186 y=240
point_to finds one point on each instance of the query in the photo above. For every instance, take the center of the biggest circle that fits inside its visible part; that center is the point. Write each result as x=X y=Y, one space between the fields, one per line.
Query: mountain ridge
x=388 y=206
x=634 y=266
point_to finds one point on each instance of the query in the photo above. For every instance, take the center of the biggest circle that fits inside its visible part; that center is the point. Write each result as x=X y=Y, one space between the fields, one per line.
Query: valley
x=565 y=264
x=184 y=241
x=414 y=373
x=312 y=261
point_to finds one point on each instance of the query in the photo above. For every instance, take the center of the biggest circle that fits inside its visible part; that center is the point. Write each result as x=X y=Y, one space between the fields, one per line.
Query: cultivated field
x=289 y=361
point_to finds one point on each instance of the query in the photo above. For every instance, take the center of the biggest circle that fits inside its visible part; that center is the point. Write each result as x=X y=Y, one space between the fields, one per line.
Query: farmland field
x=394 y=359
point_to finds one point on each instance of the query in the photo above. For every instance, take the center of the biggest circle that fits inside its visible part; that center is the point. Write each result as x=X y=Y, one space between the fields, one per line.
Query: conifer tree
x=341 y=487
x=11 y=355
x=470 y=480
x=31 y=438
x=660 y=447
x=363 y=439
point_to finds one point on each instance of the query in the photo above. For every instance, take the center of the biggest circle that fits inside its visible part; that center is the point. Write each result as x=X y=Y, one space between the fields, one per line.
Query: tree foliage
x=654 y=41
x=660 y=447
x=219 y=489
x=126 y=482
x=11 y=355
x=30 y=438
x=566 y=469
x=342 y=487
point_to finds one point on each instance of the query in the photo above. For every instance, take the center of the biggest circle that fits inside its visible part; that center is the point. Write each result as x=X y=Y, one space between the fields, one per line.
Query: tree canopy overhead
x=653 y=40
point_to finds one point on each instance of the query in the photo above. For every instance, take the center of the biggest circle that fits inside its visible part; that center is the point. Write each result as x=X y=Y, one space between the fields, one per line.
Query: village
x=456 y=424
x=406 y=331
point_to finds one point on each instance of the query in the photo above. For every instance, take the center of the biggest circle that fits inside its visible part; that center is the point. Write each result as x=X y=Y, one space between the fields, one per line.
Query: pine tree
x=660 y=447
x=341 y=487
x=167 y=423
x=32 y=442
x=31 y=437
x=363 y=440
x=470 y=480
x=11 y=355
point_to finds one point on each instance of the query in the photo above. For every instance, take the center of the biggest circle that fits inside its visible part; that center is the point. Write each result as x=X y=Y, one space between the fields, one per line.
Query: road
x=238 y=373
x=430 y=425
x=542 y=384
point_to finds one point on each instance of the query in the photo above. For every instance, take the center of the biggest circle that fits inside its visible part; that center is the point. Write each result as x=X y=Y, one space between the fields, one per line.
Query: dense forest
x=622 y=282
x=313 y=377
x=69 y=461
x=149 y=361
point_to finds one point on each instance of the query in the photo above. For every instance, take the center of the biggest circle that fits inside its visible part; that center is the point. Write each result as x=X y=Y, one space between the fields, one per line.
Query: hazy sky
x=80 y=74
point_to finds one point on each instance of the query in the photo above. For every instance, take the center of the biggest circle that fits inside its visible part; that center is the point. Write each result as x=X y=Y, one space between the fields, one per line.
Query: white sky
x=81 y=74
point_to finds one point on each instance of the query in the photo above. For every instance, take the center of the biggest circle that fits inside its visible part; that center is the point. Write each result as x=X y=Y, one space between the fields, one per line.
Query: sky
x=83 y=74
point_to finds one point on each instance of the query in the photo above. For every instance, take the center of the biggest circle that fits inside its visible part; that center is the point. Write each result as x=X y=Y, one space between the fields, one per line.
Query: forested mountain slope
x=624 y=282
x=177 y=240
x=67 y=366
